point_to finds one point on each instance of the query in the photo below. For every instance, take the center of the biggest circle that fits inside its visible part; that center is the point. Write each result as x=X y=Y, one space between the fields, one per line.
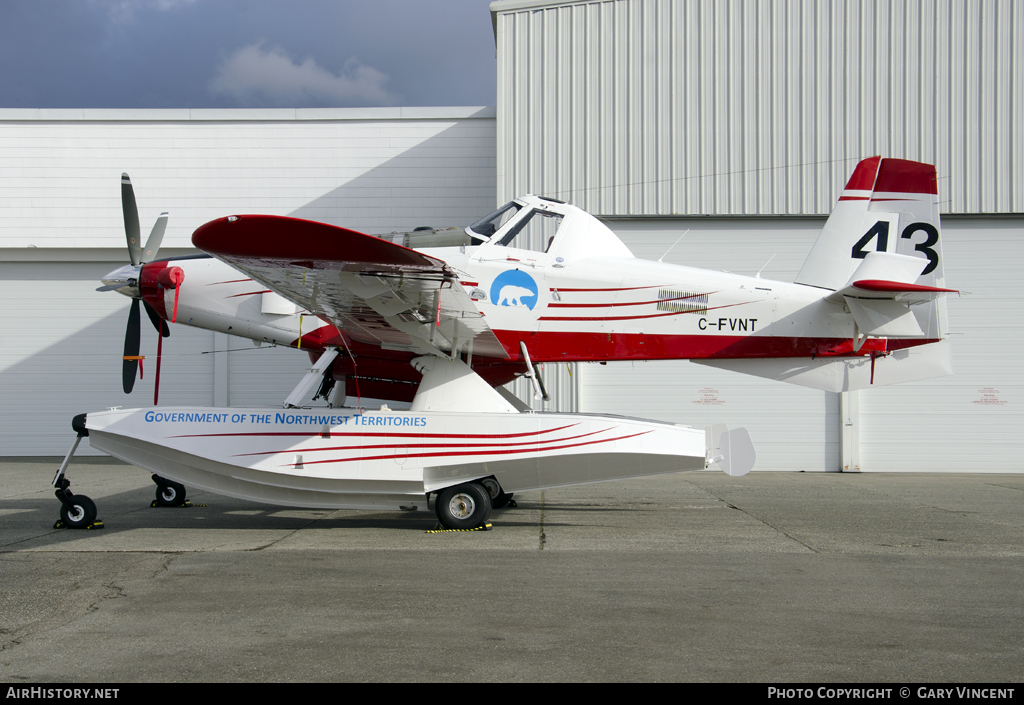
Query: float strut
x=59 y=481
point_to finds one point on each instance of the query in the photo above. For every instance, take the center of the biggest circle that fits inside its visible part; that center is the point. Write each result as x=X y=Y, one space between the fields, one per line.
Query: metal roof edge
x=500 y=6
x=243 y=114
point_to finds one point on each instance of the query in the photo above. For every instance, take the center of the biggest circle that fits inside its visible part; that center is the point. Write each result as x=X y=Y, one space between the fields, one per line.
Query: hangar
x=736 y=124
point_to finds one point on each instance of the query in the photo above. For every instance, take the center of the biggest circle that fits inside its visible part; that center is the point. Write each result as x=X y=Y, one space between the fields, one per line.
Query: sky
x=245 y=53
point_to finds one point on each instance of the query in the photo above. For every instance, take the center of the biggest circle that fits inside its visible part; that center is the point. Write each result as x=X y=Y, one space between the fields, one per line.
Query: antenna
x=673 y=245
x=758 y=275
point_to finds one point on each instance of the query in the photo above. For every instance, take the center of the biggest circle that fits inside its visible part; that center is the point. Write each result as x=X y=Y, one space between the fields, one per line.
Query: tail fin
x=879 y=253
x=888 y=205
x=890 y=210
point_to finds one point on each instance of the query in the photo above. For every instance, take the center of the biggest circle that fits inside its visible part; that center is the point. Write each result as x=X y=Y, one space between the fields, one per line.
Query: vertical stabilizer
x=880 y=257
x=888 y=205
x=829 y=265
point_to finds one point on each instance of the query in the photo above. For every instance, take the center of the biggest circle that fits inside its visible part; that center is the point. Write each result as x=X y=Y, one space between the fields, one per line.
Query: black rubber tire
x=463 y=506
x=170 y=494
x=498 y=497
x=83 y=514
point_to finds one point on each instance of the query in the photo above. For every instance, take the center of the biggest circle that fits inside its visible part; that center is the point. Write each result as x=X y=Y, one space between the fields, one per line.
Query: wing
x=376 y=292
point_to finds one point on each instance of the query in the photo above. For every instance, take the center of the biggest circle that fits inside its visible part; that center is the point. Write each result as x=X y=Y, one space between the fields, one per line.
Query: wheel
x=170 y=494
x=83 y=512
x=463 y=506
x=498 y=497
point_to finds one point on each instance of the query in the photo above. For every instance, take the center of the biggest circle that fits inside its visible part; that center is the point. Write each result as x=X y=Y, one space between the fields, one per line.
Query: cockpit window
x=490 y=224
x=534 y=232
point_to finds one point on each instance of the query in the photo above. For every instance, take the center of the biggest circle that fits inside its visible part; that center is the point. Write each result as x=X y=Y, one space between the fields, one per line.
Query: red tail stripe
x=883 y=285
x=903 y=176
x=863 y=178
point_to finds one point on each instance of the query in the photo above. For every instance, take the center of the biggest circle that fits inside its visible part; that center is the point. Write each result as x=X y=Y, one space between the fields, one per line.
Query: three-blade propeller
x=138 y=256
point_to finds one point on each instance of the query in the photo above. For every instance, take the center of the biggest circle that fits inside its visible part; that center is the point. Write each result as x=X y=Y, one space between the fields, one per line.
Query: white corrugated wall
x=658 y=107
x=793 y=428
x=966 y=422
x=61 y=229
x=970 y=421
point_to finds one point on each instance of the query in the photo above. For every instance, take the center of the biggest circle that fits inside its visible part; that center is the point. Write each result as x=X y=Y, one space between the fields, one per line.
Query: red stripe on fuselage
x=550 y=346
x=248 y=293
x=630 y=303
x=631 y=318
x=628 y=288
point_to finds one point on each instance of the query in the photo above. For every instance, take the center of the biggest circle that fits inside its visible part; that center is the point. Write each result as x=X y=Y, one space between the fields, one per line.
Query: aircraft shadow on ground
x=29 y=522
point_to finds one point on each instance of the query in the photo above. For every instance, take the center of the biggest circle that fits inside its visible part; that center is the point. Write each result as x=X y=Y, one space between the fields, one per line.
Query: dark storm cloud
x=229 y=53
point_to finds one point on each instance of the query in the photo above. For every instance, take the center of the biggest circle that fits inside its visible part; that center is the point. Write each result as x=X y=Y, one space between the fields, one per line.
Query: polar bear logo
x=514 y=288
x=510 y=296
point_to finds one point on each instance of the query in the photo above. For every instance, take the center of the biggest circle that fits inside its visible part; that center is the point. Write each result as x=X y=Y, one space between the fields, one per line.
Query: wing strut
x=538 y=384
x=314 y=375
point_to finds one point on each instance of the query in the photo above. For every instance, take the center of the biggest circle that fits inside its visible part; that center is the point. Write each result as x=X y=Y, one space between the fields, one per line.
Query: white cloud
x=123 y=11
x=252 y=75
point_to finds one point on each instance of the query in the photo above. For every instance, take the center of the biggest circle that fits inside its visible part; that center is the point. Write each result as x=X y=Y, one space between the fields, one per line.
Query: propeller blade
x=156 y=236
x=131 y=219
x=132 y=335
x=160 y=324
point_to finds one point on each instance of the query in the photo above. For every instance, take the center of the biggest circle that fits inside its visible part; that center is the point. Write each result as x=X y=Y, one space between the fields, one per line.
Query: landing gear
x=79 y=511
x=463 y=506
x=499 y=498
x=168 y=493
x=76 y=510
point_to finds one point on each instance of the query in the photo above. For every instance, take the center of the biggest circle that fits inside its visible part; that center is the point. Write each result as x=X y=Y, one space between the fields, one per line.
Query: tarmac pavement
x=772 y=577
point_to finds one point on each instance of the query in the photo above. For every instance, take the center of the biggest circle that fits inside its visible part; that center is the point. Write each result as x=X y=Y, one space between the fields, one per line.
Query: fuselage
x=594 y=309
x=546 y=277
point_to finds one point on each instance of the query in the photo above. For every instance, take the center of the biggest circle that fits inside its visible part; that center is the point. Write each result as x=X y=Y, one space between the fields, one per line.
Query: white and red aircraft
x=444 y=318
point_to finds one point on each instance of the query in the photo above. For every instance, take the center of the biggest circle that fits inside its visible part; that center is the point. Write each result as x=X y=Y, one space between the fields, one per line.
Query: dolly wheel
x=81 y=514
x=498 y=497
x=170 y=494
x=463 y=506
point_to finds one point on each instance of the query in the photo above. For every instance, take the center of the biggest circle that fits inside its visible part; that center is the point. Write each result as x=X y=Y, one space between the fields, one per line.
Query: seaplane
x=441 y=319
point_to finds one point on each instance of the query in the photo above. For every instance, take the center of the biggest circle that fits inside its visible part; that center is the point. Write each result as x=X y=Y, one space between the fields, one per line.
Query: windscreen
x=534 y=232
x=492 y=223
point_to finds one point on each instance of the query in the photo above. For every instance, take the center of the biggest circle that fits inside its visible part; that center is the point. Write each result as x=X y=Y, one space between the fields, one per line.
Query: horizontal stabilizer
x=880 y=292
x=884 y=275
x=909 y=294
x=890 y=208
x=884 y=318
x=846 y=374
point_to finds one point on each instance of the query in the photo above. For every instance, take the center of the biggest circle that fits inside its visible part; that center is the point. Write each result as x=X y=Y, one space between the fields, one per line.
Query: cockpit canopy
x=546 y=225
x=493 y=222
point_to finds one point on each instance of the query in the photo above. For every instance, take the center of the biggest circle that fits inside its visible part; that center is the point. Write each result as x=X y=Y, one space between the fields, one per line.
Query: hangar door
x=963 y=423
x=793 y=428
x=969 y=421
